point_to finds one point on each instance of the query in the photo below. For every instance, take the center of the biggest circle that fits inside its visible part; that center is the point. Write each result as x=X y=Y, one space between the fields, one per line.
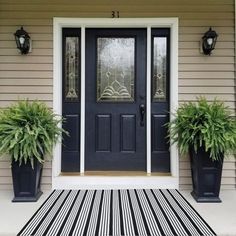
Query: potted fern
x=28 y=131
x=207 y=131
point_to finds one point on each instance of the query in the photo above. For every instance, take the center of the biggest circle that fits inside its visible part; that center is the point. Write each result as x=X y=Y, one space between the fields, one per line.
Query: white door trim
x=148 y=102
x=59 y=181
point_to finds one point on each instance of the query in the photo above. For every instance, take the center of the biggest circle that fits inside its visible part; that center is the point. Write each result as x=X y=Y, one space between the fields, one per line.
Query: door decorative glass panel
x=159 y=68
x=71 y=68
x=71 y=61
x=115 y=69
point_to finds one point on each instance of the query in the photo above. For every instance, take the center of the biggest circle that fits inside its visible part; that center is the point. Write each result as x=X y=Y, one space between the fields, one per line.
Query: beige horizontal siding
x=217 y=67
x=26 y=82
x=6 y=103
x=25 y=67
x=31 y=76
x=209 y=96
x=27 y=74
x=16 y=96
x=207 y=82
x=206 y=90
x=200 y=60
x=28 y=60
x=25 y=89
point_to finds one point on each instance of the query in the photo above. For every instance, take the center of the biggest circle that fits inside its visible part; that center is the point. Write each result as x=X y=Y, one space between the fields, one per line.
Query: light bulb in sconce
x=210 y=41
x=22 y=40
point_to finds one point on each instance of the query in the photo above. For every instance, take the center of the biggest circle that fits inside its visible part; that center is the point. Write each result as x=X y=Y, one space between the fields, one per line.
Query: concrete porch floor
x=220 y=216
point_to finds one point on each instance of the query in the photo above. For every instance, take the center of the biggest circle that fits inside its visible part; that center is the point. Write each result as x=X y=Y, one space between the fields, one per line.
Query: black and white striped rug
x=116 y=212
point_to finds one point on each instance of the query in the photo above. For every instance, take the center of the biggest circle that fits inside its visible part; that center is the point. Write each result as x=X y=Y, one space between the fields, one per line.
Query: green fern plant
x=28 y=130
x=203 y=124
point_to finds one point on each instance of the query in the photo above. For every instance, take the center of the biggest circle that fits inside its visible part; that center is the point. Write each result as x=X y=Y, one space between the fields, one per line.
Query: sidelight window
x=159 y=69
x=71 y=69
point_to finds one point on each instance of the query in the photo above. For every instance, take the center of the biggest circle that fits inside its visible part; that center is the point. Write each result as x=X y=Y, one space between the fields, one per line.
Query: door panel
x=103 y=133
x=160 y=99
x=71 y=99
x=71 y=125
x=128 y=133
x=115 y=89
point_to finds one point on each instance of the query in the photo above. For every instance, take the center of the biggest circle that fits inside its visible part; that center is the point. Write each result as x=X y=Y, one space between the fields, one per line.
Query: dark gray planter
x=26 y=181
x=206 y=176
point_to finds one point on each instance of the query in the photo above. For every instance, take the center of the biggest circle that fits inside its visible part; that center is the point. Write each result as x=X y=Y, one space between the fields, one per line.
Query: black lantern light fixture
x=23 y=41
x=209 y=41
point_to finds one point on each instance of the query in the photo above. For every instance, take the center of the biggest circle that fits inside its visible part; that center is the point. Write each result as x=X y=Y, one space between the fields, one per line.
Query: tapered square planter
x=206 y=176
x=26 y=181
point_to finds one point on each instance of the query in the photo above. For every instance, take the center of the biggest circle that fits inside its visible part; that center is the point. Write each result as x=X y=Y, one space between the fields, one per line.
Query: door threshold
x=115 y=173
x=79 y=181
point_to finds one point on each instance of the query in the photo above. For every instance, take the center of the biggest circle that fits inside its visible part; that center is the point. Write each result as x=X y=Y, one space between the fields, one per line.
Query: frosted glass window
x=159 y=69
x=115 y=69
x=72 y=68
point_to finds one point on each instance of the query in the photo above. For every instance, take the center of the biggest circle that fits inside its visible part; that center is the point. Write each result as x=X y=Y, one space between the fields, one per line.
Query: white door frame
x=80 y=181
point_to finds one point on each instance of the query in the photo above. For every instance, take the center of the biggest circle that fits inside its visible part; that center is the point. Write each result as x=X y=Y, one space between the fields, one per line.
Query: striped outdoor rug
x=116 y=212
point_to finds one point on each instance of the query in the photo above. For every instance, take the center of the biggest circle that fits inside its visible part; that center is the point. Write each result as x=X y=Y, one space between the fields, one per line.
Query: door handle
x=142 y=114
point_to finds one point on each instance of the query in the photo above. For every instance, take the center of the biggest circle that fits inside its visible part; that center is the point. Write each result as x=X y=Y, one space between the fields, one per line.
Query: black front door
x=115 y=99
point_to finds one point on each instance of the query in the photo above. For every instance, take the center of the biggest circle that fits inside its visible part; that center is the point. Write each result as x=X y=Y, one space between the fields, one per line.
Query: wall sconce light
x=209 y=41
x=23 y=41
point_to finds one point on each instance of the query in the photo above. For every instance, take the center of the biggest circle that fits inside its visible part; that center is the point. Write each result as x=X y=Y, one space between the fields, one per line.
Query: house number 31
x=115 y=14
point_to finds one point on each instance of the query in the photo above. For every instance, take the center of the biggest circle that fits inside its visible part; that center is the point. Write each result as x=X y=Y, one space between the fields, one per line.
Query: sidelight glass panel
x=72 y=68
x=115 y=69
x=159 y=69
